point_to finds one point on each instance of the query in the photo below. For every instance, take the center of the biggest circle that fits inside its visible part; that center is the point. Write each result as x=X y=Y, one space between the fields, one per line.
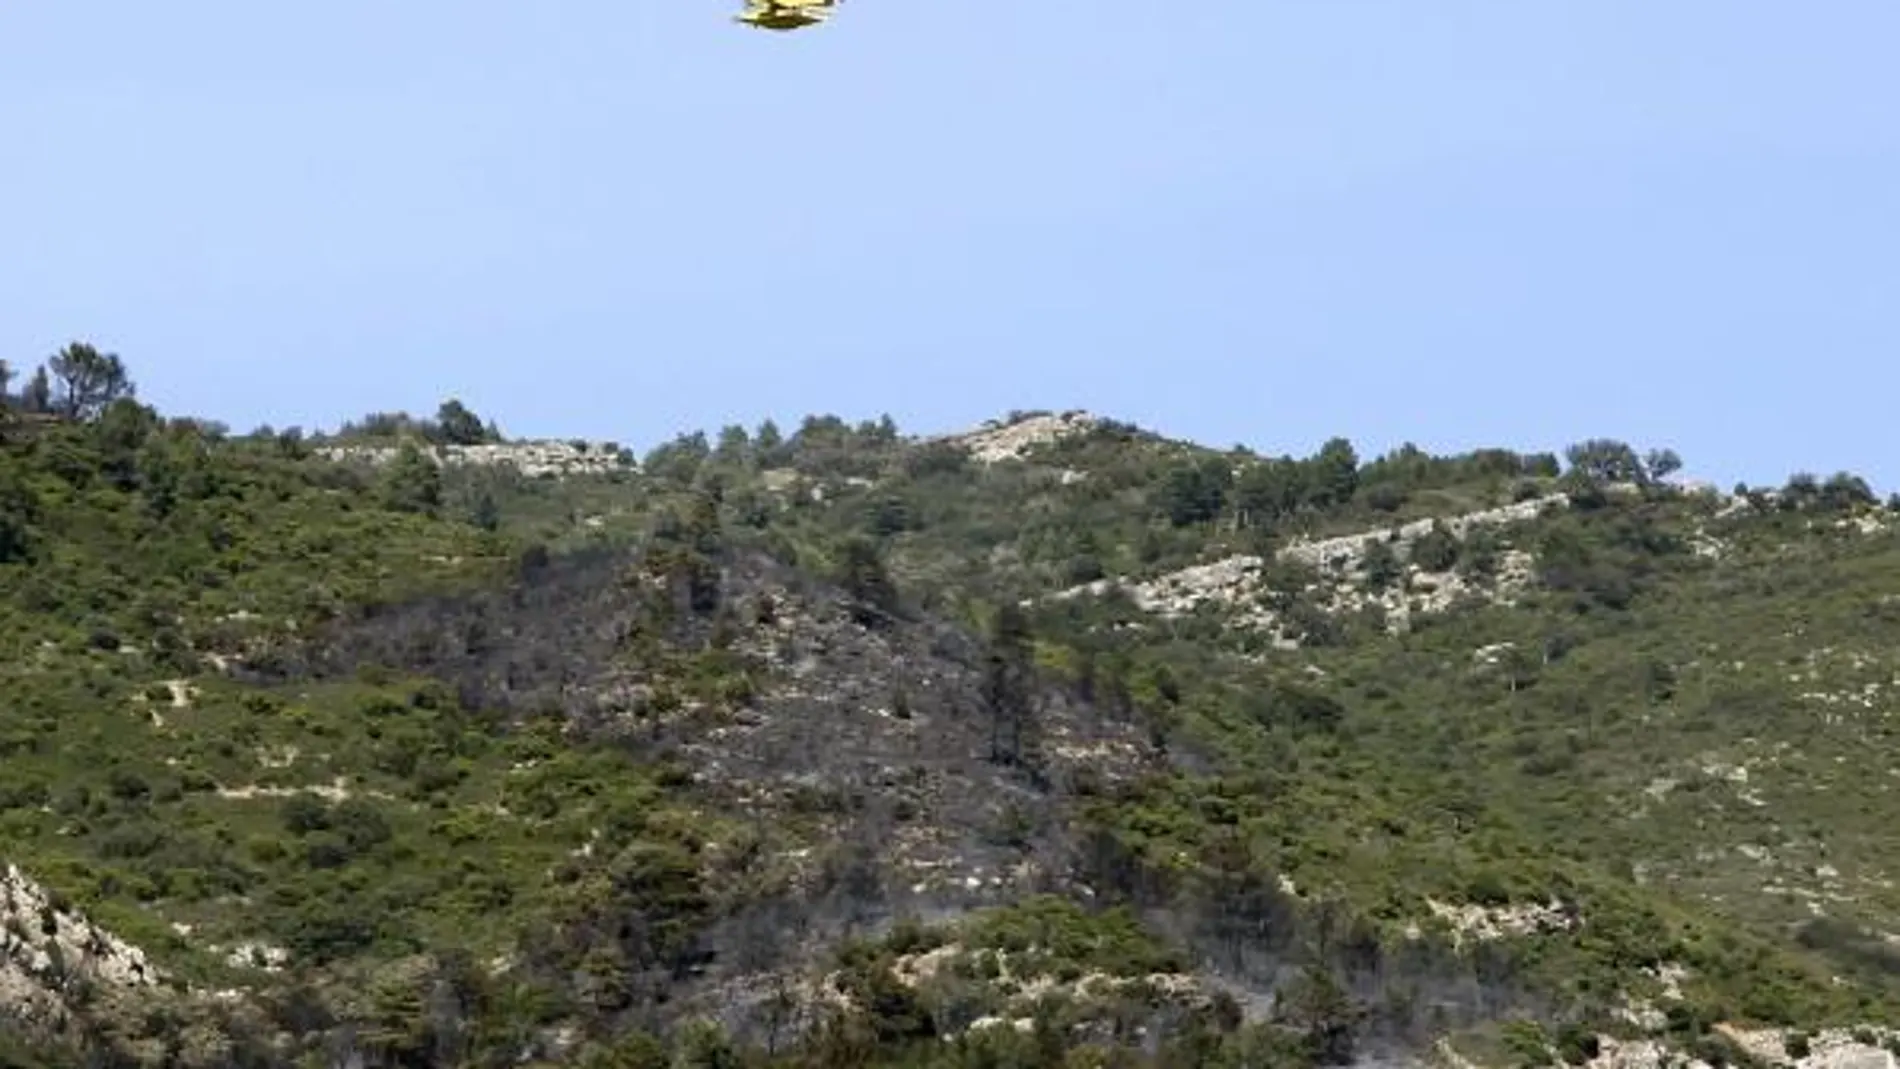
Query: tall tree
x=1844 y=490
x=1324 y=1011
x=1266 y=491
x=862 y=573
x=119 y=433
x=1333 y=473
x=1195 y=491
x=458 y=425
x=768 y=440
x=37 y=395
x=1606 y=460
x=734 y=445
x=18 y=509
x=680 y=459
x=485 y=513
x=411 y=482
x=89 y=380
x=1009 y=689
x=1662 y=463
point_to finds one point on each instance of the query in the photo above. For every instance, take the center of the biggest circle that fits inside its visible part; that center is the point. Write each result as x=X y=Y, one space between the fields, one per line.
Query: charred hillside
x=885 y=763
x=881 y=787
x=777 y=691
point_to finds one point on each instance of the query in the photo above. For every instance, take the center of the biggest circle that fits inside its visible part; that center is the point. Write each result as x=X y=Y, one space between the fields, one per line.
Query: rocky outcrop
x=1834 y=1048
x=540 y=459
x=997 y=441
x=1239 y=583
x=1345 y=554
x=48 y=950
x=1831 y=1049
x=1484 y=924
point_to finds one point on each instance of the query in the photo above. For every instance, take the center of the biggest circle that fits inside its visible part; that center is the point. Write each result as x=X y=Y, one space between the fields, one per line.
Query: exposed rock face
x=1231 y=581
x=1641 y=1054
x=1483 y=924
x=1346 y=553
x=1861 y=1048
x=1237 y=582
x=1030 y=981
x=548 y=459
x=1838 y=1048
x=45 y=950
x=995 y=442
x=1834 y=1048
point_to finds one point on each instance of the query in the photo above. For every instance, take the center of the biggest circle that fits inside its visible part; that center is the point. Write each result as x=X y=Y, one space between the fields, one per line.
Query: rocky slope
x=535 y=460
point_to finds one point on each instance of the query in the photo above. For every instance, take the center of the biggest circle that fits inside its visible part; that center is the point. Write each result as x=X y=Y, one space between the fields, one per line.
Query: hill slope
x=1059 y=740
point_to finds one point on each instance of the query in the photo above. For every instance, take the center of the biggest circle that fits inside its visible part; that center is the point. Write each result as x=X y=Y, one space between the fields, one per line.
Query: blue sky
x=1457 y=223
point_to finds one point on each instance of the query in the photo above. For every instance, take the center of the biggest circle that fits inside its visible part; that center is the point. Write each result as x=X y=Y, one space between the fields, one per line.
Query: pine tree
x=412 y=482
x=89 y=380
x=37 y=395
x=486 y=514
x=1009 y=690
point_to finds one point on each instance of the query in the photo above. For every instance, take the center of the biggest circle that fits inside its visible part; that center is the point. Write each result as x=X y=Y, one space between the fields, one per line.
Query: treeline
x=1253 y=492
x=78 y=382
x=454 y=424
x=1237 y=486
x=821 y=445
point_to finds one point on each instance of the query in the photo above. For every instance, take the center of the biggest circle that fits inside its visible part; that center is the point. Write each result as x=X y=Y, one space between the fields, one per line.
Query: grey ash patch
x=883 y=731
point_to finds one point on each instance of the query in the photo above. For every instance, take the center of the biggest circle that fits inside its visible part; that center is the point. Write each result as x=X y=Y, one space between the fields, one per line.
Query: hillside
x=1054 y=743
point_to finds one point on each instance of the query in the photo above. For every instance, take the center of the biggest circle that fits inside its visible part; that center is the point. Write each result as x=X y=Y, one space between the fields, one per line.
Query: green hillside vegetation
x=440 y=763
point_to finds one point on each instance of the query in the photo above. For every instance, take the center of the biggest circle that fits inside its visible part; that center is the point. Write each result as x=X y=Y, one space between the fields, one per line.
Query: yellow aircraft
x=782 y=15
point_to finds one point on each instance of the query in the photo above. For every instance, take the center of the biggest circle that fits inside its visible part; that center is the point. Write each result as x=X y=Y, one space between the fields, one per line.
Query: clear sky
x=1460 y=223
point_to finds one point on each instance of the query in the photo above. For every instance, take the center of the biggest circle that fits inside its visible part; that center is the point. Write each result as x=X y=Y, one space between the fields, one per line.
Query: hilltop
x=1058 y=742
